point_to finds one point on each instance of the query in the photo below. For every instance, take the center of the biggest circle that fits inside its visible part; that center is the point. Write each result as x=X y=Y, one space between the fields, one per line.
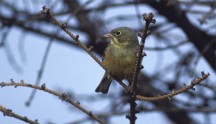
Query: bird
x=119 y=57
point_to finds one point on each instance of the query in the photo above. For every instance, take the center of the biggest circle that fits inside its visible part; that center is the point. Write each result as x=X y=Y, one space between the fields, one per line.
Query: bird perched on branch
x=120 y=57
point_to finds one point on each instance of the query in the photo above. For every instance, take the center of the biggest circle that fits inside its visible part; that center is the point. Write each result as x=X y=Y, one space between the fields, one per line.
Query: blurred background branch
x=182 y=41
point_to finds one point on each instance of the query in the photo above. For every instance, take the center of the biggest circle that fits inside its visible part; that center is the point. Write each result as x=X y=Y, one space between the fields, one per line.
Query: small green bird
x=119 y=59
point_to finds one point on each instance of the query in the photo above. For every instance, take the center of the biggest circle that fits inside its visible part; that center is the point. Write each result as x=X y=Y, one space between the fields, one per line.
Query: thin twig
x=176 y=92
x=8 y=52
x=139 y=55
x=62 y=96
x=166 y=47
x=209 y=15
x=10 y=113
x=205 y=49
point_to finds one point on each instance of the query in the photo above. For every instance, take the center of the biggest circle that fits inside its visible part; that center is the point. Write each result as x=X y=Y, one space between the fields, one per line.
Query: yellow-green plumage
x=119 y=59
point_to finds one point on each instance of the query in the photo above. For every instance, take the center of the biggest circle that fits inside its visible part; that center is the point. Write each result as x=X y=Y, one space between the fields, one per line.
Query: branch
x=183 y=89
x=42 y=67
x=166 y=47
x=139 y=55
x=10 y=113
x=76 y=39
x=138 y=63
x=198 y=37
x=62 y=96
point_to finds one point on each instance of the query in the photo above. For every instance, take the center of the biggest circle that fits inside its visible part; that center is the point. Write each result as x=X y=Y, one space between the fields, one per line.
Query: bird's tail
x=104 y=84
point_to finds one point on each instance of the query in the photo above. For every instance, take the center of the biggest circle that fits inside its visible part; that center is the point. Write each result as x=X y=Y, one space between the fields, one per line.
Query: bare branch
x=139 y=55
x=10 y=113
x=61 y=96
x=176 y=92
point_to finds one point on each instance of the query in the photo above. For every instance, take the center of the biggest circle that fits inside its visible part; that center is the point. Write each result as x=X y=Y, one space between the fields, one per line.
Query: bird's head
x=122 y=37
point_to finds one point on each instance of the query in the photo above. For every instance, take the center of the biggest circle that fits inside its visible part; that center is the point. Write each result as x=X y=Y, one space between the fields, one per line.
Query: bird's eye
x=118 y=33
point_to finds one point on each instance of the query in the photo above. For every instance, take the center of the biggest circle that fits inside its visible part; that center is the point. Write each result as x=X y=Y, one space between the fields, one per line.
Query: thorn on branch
x=204 y=76
x=151 y=15
x=8 y=112
x=137 y=111
x=64 y=25
x=128 y=117
x=45 y=10
x=141 y=67
x=140 y=34
x=153 y=21
x=149 y=18
x=63 y=96
x=43 y=86
x=145 y=17
x=148 y=32
x=144 y=54
x=77 y=37
x=90 y=48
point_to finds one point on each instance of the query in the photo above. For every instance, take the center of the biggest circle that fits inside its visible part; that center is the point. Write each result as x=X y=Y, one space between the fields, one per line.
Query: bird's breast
x=120 y=62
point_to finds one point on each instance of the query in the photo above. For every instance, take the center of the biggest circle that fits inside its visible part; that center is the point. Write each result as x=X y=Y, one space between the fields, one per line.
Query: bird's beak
x=108 y=35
